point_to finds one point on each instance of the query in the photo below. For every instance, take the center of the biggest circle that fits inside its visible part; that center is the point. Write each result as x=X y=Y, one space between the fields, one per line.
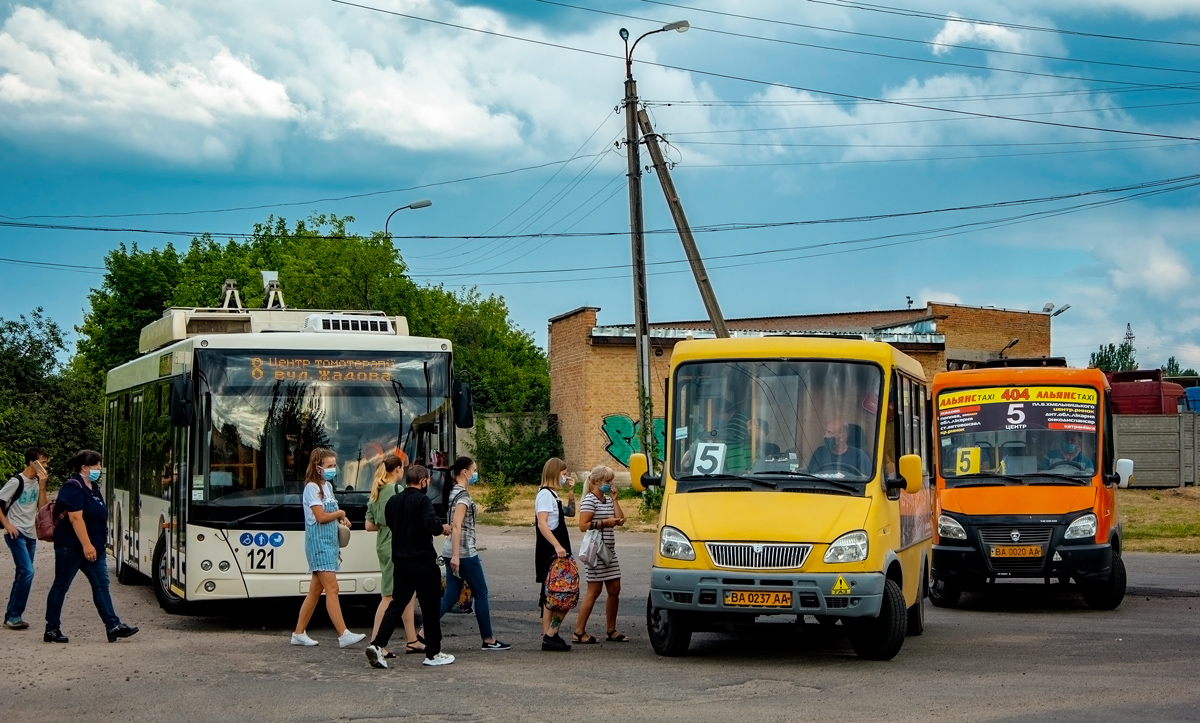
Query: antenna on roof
x=230 y=298
x=910 y=301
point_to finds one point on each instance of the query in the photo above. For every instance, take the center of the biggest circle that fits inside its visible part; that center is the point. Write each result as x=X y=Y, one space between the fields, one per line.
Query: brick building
x=592 y=368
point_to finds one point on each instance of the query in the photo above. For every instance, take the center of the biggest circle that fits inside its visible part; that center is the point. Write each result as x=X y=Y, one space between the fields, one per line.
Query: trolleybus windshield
x=262 y=414
x=793 y=423
x=1030 y=434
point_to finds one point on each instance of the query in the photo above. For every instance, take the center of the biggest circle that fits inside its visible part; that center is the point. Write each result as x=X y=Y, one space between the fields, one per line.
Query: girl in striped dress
x=600 y=510
x=321 y=518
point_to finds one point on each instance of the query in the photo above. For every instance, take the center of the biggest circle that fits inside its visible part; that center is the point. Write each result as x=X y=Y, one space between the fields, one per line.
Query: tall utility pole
x=685 y=231
x=637 y=242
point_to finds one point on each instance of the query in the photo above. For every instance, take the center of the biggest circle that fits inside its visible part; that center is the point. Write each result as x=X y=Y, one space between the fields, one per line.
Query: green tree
x=42 y=403
x=321 y=266
x=1114 y=358
x=1173 y=369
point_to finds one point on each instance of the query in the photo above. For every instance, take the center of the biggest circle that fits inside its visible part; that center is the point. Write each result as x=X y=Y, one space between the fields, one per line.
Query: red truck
x=1144 y=392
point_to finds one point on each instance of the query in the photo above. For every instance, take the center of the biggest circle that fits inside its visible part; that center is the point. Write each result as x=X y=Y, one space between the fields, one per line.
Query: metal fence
x=1163 y=447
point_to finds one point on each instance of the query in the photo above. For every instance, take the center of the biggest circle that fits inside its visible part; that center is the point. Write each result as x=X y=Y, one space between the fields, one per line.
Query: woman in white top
x=600 y=510
x=552 y=541
x=321 y=518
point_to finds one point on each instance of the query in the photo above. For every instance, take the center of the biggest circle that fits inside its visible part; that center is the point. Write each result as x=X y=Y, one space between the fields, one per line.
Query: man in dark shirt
x=414 y=524
x=837 y=455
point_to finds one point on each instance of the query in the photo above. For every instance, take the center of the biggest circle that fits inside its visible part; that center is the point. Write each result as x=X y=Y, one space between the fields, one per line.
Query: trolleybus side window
x=157 y=434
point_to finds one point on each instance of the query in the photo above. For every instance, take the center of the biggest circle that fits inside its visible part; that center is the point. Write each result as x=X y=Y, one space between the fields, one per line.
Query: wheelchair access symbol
x=246 y=539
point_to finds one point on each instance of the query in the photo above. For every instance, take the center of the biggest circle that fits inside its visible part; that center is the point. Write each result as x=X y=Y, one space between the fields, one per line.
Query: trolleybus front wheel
x=169 y=601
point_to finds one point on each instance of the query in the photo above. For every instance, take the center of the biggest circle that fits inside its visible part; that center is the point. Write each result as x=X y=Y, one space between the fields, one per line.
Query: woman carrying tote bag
x=600 y=511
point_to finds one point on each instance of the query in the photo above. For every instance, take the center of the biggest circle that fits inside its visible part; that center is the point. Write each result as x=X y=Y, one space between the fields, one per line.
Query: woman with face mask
x=461 y=556
x=552 y=541
x=600 y=510
x=79 y=540
x=321 y=518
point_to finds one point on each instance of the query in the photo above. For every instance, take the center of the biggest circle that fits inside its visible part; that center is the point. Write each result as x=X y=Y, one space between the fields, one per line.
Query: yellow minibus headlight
x=675 y=545
x=850 y=547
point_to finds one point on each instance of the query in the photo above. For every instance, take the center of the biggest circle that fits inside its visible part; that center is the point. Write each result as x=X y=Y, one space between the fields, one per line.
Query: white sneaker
x=440 y=659
x=348 y=638
x=303 y=639
x=375 y=657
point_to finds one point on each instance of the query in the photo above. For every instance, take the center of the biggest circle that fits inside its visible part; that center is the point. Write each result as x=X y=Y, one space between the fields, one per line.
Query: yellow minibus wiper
x=815 y=478
x=729 y=477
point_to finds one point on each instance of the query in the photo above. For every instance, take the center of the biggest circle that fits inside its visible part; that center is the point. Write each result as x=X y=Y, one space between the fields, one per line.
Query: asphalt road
x=1023 y=653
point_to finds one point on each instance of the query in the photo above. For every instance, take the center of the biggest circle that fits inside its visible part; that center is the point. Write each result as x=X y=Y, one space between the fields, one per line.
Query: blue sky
x=113 y=107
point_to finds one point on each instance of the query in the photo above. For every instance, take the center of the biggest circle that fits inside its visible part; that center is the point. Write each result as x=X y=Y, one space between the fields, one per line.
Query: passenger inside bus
x=837 y=455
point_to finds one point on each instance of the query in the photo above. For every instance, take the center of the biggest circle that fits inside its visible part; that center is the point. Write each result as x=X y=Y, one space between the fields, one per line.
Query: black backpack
x=20 y=490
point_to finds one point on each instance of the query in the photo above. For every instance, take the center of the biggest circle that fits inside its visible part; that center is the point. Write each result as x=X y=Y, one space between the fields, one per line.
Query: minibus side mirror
x=183 y=402
x=639 y=473
x=1124 y=472
x=911 y=473
x=464 y=407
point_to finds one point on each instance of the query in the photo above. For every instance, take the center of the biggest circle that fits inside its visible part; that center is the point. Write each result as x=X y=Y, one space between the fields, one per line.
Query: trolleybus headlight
x=850 y=547
x=1084 y=526
x=206 y=565
x=674 y=544
x=224 y=566
x=210 y=586
x=949 y=529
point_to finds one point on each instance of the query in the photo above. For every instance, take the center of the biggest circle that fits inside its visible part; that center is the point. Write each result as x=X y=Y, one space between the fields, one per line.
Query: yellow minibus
x=795 y=482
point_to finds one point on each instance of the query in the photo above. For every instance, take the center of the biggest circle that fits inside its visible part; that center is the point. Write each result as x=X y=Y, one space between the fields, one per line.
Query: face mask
x=329 y=474
x=1070 y=448
x=94 y=474
x=562 y=480
x=474 y=478
x=830 y=443
x=606 y=488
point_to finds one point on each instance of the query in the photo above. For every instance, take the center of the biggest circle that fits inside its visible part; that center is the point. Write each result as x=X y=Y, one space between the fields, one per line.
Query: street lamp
x=637 y=239
x=423 y=203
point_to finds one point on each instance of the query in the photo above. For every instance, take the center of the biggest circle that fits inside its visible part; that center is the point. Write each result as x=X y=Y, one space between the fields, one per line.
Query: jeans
x=420 y=576
x=471 y=570
x=67 y=562
x=22 y=551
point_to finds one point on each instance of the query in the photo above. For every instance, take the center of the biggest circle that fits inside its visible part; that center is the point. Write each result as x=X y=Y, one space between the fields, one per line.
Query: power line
x=844 y=4
x=302 y=203
x=772 y=84
x=874 y=54
x=997 y=51
x=54 y=267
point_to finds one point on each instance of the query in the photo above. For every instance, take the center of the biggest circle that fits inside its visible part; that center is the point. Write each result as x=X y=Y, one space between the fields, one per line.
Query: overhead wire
x=870 y=53
x=1016 y=26
x=996 y=51
x=767 y=83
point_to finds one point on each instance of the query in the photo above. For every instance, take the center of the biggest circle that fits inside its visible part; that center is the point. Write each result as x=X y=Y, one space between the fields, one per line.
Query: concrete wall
x=1163 y=447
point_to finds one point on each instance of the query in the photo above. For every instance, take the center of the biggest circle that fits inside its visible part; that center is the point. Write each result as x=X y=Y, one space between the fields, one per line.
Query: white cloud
x=926 y=295
x=1148 y=266
x=961 y=32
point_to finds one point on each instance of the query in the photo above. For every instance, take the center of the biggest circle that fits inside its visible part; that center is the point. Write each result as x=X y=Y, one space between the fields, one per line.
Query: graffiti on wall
x=623 y=437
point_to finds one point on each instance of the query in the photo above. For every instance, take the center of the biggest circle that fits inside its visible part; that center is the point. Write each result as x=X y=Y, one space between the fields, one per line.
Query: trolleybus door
x=132 y=448
x=180 y=489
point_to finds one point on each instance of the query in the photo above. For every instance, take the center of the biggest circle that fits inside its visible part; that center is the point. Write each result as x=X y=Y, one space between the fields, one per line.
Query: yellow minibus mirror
x=911 y=472
x=1124 y=472
x=638 y=467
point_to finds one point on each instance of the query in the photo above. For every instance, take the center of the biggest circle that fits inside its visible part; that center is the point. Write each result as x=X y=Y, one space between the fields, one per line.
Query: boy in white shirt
x=21 y=496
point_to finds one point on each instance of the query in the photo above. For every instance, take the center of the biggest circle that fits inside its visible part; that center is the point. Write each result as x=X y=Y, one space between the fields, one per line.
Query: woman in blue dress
x=321 y=518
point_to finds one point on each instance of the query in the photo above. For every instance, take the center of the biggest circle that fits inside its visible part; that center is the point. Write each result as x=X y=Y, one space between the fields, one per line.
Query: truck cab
x=794 y=483
x=1026 y=482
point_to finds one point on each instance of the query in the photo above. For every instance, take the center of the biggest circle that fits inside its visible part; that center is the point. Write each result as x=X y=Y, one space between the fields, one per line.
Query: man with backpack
x=414 y=524
x=21 y=496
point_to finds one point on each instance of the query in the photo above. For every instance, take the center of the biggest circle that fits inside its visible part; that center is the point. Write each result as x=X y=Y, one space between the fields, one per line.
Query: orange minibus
x=1026 y=482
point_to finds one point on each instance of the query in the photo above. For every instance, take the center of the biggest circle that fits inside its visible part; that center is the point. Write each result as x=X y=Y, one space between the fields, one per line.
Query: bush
x=516 y=452
x=498 y=494
x=652 y=498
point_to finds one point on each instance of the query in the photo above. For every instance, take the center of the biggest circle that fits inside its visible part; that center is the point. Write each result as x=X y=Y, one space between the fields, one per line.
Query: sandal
x=589 y=640
x=615 y=637
x=412 y=649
